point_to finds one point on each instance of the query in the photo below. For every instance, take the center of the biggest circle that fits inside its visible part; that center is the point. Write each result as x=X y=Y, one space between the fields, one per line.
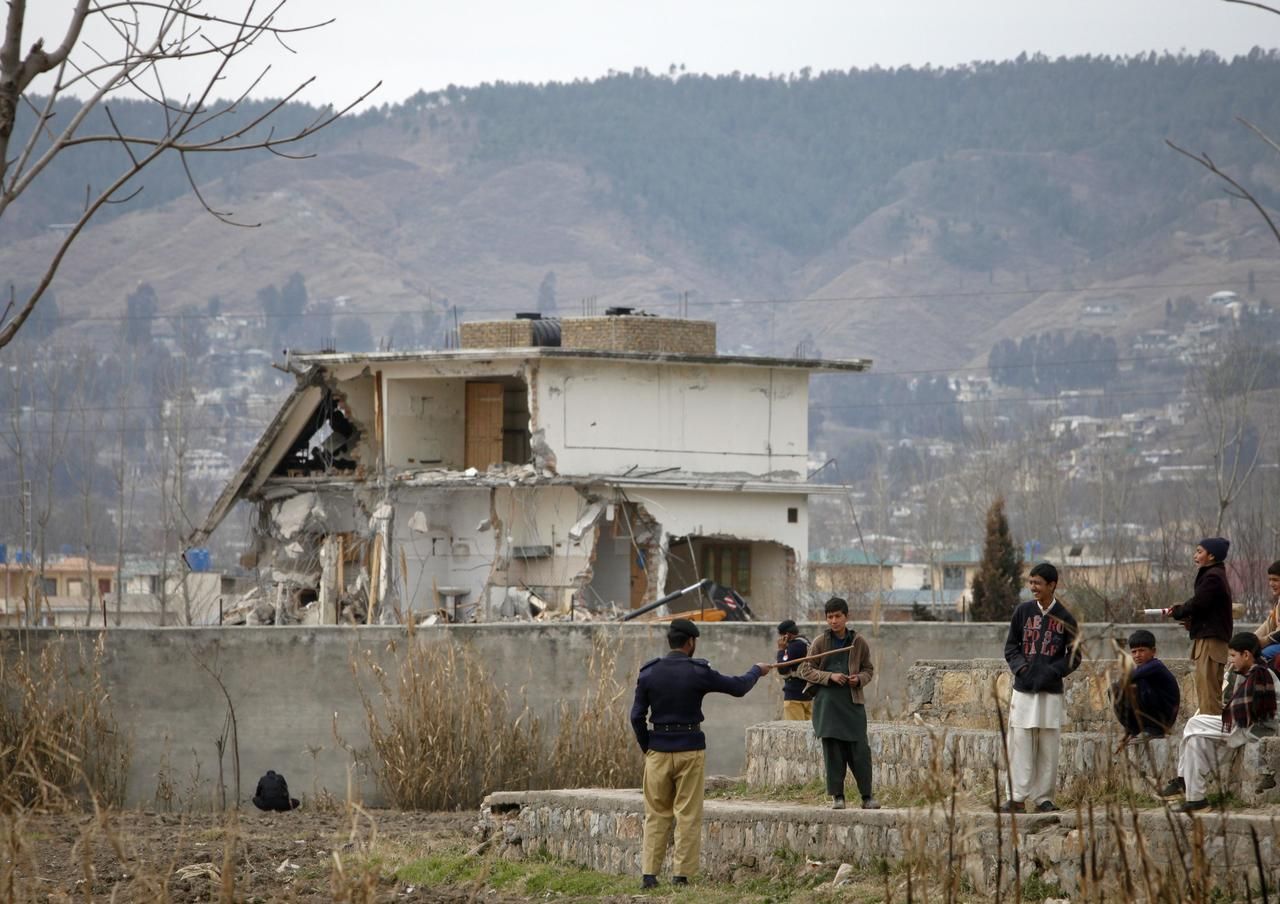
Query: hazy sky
x=412 y=44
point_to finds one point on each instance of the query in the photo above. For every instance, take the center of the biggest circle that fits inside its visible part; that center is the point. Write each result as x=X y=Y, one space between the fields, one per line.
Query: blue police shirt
x=669 y=691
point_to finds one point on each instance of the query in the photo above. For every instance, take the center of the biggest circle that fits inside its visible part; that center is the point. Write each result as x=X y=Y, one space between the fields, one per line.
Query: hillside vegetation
x=968 y=205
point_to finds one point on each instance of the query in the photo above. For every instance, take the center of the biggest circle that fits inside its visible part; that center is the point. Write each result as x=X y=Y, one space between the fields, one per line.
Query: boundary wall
x=291 y=685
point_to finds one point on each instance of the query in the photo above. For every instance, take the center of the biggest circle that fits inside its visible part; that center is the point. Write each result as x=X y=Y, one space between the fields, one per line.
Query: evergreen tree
x=140 y=309
x=999 y=578
x=547 y=295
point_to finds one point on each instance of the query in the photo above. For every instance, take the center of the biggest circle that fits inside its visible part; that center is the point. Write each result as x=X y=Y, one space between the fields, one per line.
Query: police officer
x=669 y=695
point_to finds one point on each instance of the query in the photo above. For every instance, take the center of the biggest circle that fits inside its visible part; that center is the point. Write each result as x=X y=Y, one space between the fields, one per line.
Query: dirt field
x=308 y=857
x=139 y=856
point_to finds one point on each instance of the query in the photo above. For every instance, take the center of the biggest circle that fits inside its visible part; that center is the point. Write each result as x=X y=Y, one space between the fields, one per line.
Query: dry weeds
x=594 y=745
x=59 y=738
x=444 y=732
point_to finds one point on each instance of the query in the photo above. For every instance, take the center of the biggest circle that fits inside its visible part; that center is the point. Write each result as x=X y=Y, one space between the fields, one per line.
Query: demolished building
x=588 y=465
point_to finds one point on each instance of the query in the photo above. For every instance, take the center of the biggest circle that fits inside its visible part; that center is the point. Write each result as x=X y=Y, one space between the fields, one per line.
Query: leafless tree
x=1225 y=393
x=1235 y=188
x=145 y=42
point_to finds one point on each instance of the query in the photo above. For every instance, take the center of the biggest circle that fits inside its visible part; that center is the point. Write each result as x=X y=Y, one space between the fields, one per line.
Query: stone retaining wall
x=601 y=830
x=923 y=759
x=966 y=693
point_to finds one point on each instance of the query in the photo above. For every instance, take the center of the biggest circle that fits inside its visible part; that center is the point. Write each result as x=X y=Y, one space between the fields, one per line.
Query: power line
x=671 y=303
x=1133 y=359
x=1000 y=401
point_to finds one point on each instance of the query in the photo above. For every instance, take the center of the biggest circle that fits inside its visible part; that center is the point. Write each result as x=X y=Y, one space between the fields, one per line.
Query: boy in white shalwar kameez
x=1042 y=648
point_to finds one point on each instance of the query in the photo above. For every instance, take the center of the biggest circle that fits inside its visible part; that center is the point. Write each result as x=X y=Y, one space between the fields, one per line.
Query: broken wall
x=603 y=416
x=446 y=541
x=425 y=423
x=761 y=520
x=536 y=550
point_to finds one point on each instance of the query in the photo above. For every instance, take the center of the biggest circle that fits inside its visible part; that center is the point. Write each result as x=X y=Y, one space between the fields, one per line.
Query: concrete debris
x=418 y=522
x=309 y=580
x=471 y=472
x=586 y=522
x=304 y=512
x=521 y=604
x=844 y=875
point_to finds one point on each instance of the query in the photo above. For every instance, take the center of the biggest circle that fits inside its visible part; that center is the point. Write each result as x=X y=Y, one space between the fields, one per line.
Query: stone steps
x=601 y=829
x=925 y=760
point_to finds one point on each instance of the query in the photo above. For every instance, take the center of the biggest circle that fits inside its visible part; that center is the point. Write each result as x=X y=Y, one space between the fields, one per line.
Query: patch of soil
x=145 y=856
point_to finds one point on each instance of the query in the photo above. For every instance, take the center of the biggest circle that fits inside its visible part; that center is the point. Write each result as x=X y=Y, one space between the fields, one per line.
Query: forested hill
x=801 y=160
x=916 y=185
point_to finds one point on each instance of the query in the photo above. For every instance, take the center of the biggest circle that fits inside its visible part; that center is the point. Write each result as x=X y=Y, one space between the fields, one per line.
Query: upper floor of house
x=590 y=398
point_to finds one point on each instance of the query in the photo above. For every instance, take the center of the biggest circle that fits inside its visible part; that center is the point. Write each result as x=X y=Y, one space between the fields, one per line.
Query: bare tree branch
x=1261 y=134
x=1204 y=160
x=150 y=36
x=1270 y=9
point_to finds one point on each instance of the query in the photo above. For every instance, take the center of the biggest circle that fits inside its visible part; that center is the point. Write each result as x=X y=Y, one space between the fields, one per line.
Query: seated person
x=272 y=794
x=1249 y=713
x=1146 y=700
x=1269 y=631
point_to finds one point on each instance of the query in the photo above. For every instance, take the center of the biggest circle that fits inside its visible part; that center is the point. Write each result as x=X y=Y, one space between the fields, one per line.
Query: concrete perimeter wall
x=289 y=684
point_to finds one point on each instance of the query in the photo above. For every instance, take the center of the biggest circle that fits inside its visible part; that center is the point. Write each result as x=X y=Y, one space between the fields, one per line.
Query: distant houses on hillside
x=940 y=587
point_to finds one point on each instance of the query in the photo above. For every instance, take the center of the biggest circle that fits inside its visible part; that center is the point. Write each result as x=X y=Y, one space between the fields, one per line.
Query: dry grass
x=446 y=732
x=594 y=744
x=59 y=739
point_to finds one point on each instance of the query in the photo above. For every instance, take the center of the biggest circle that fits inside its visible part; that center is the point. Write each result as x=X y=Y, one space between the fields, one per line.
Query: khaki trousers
x=1208 y=662
x=673 y=786
x=797 y=710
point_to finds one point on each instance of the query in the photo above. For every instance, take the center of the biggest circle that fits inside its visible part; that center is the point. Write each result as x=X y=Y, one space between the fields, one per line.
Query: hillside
x=914 y=216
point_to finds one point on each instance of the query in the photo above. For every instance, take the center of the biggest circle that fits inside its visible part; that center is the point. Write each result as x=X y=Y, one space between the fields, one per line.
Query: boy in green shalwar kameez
x=839 y=713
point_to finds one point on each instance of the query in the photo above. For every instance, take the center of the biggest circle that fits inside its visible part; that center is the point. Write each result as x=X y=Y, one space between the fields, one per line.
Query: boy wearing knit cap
x=1208 y=619
x=1146 y=700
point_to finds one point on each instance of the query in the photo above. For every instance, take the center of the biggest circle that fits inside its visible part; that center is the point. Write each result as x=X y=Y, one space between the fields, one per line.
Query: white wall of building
x=606 y=416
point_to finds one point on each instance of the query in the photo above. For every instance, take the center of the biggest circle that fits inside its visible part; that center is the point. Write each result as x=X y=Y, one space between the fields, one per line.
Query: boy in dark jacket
x=1208 y=618
x=1146 y=700
x=1042 y=648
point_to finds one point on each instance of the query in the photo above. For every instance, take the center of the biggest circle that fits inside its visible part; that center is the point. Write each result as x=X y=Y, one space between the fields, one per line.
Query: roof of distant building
x=850 y=557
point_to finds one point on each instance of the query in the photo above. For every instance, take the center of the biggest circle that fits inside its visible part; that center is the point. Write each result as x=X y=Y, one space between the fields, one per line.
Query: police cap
x=686 y=627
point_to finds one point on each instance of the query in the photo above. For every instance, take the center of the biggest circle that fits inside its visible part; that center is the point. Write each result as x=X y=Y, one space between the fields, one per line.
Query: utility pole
x=28 y=576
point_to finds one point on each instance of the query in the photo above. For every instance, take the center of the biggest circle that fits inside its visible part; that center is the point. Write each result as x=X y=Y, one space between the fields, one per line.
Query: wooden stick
x=812 y=656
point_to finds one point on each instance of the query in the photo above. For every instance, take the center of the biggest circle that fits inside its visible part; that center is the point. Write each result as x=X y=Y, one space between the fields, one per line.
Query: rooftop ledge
x=329 y=359
x=527 y=476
